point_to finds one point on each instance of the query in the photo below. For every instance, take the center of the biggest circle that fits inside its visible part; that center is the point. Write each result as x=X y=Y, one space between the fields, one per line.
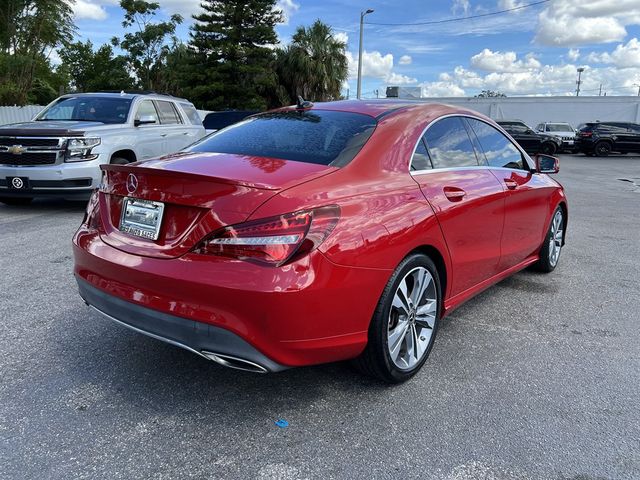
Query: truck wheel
x=119 y=161
x=16 y=200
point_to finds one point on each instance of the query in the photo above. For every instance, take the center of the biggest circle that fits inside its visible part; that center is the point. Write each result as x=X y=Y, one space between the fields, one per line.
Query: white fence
x=535 y=110
x=18 y=114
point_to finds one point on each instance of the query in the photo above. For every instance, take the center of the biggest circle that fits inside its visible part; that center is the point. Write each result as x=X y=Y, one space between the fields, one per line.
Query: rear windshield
x=220 y=120
x=312 y=136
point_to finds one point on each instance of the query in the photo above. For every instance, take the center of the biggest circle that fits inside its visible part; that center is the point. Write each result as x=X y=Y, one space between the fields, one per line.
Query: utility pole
x=362 y=14
x=600 y=93
x=580 y=70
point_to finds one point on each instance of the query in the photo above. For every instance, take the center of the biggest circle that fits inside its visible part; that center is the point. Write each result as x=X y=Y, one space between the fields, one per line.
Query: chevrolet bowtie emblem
x=16 y=149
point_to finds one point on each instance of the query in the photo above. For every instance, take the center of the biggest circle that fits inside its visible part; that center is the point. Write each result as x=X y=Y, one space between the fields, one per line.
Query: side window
x=168 y=113
x=449 y=145
x=540 y=127
x=497 y=148
x=192 y=113
x=420 y=159
x=147 y=109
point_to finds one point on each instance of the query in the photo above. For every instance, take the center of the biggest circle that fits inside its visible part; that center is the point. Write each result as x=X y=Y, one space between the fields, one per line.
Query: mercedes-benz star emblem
x=132 y=183
x=17 y=182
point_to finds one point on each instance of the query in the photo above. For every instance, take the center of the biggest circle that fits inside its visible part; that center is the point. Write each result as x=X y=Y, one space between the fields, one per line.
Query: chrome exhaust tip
x=234 y=362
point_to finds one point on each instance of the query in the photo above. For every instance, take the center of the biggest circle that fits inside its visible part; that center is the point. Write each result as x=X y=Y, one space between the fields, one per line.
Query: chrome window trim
x=466 y=115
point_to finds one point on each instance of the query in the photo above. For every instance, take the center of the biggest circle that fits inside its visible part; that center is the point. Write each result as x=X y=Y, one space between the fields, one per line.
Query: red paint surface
x=318 y=307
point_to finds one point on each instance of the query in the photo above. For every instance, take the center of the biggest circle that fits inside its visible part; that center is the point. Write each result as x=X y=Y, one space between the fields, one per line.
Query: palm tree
x=313 y=65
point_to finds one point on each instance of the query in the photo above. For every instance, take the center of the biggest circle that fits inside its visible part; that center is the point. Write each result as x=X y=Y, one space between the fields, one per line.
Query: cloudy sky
x=530 y=51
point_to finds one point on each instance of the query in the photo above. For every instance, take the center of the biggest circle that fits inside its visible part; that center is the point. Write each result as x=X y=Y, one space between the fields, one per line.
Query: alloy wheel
x=555 y=239
x=412 y=318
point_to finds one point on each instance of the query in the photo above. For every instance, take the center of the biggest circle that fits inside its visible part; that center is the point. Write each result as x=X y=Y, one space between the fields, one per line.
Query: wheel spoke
x=410 y=342
x=403 y=295
x=396 y=336
x=398 y=304
x=423 y=280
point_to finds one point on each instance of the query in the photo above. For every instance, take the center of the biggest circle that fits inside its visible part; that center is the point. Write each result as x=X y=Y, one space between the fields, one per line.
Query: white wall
x=18 y=114
x=535 y=110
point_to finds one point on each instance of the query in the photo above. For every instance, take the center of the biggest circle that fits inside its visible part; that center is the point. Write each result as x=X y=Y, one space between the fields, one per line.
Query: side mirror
x=529 y=131
x=547 y=164
x=144 y=120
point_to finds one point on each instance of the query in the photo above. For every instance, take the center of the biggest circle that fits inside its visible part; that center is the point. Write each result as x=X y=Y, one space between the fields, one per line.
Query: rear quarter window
x=312 y=136
x=191 y=113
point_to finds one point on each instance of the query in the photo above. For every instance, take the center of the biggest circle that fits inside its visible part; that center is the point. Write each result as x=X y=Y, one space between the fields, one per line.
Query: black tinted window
x=312 y=136
x=168 y=113
x=420 y=159
x=220 y=120
x=449 y=144
x=498 y=149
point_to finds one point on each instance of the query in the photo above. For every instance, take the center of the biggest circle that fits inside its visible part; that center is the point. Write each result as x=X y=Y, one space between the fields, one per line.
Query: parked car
x=602 y=138
x=532 y=142
x=321 y=233
x=215 y=121
x=559 y=129
x=60 y=152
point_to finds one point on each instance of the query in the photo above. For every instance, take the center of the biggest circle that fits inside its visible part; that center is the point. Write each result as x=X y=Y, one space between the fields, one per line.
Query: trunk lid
x=201 y=193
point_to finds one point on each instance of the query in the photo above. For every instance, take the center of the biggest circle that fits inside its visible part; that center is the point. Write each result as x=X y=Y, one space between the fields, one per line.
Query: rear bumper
x=309 y=312
x=213 y=343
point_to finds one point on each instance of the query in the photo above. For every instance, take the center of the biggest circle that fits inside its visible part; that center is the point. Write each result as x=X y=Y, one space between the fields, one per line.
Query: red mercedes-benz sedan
x=318 y=233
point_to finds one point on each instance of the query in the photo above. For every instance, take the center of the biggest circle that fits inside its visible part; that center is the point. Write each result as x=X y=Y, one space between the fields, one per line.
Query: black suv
x=531 y=141
x=602 y=138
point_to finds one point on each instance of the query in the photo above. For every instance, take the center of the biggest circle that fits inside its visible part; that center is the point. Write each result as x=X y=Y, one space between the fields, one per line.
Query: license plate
x=18 y=183
x=141 y=218
x=570 y=142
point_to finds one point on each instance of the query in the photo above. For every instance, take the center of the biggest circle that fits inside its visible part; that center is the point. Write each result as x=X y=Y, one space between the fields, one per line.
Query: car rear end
x=173 y=248
x=586 y=138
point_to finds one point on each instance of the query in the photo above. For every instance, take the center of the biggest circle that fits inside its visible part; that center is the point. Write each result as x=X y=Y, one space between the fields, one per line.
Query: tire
x=548 y=148
x=603 y=149
x=118 y=161
x=552 y=245
x=405 y=323
x=16 y=201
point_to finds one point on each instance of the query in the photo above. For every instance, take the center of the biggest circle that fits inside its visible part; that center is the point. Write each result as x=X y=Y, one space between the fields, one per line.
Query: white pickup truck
x=59 y=153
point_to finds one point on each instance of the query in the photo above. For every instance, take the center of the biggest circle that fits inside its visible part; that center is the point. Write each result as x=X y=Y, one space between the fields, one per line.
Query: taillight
x=586 y=134
x=92 y=213
x=274 y=240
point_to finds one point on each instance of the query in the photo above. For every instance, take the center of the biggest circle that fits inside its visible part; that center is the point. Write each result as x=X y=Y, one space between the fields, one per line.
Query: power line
x=459 y=19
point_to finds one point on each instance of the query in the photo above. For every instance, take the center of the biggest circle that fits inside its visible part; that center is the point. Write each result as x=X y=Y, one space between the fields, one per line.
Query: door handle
x=455 y=194
x=511 y=184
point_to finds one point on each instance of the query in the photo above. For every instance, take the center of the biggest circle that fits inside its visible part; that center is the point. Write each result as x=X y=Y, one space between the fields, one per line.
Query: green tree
x=29 y=31
x=232 y=65
x=91 y=70
x=490 y=94
x=313 y=65
x=146 y=47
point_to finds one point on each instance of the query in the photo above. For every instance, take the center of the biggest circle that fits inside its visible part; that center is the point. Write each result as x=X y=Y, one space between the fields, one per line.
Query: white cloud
x=405 y=60
x=578 y=22
x=623 y=56
x=509 y=4
x=461 y=7
x=573 y=54
x=442 y=89
x=84 y=9
x=341 y=37
x=289 y=8
x=398 y=79
x=503 y=62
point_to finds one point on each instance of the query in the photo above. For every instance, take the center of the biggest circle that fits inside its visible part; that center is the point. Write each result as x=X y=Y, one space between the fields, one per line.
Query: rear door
x=527 y=199
x=176 y=133
x=467 y=199
x=634 y=144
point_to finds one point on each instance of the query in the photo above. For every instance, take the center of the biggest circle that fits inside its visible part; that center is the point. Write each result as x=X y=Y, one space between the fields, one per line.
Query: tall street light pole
x=580 y=70
x=362 y=14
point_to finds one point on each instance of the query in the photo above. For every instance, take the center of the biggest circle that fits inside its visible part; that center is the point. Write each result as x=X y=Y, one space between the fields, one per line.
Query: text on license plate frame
x=141 y=218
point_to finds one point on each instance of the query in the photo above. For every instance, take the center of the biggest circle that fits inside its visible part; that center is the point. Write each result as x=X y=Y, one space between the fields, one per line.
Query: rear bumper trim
x=208 y=341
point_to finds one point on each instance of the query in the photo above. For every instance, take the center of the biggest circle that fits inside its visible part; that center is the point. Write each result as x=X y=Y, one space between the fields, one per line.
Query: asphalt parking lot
x=537 y=378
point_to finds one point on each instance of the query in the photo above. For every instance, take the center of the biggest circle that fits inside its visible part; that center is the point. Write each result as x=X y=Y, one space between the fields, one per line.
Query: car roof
x=388 y=107
x=128 y=95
